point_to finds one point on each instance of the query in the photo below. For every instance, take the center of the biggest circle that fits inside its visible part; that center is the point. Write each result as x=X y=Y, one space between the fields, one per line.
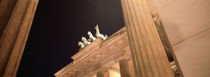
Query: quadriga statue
x=82 y=45
x=91 y=37
x=99 y=35
x=85 y=41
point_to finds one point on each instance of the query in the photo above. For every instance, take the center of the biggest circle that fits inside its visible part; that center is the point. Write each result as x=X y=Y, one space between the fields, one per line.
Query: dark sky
x=58 y=26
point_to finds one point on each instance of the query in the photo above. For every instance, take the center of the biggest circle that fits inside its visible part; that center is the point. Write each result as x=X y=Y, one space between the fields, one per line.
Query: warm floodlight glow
x=114 y=74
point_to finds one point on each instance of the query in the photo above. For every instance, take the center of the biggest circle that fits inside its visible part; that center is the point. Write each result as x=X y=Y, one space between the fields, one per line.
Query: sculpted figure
x=85 y=41
x=91 y=37
x=82 y=45
x=106 y=36
x=98 y=34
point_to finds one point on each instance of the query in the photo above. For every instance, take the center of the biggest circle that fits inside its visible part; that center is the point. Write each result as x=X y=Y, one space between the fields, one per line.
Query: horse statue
x=82 y=45
x=91 y=37
x=99 y=35
x=85 y=41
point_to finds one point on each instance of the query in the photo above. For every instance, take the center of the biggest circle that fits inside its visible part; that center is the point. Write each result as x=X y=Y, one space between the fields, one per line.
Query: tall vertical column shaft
x=124 y=68
x=14 y=36
x=148 y=53
x=102 y=74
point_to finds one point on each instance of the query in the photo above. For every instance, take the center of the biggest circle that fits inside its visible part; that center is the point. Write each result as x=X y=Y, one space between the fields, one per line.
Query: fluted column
x=148 y=54
x=14 y=36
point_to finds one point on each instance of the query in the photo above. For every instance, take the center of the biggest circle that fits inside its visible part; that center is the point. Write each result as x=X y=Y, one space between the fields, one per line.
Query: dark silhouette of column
x=124 y=68
x=102 y=74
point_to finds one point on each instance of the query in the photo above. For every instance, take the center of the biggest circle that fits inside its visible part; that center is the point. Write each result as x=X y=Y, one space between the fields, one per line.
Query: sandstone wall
x=187 y=25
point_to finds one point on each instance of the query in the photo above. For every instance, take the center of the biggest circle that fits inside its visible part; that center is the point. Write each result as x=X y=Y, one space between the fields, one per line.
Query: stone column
x=14 y=36
x=124 y=68
x=132 y=70
x=148 y=53
x=102 y=74
x=6 y=7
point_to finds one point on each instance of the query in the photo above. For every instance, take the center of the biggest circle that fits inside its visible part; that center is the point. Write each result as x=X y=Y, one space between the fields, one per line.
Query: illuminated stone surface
x=16 y=17
x=99 y=57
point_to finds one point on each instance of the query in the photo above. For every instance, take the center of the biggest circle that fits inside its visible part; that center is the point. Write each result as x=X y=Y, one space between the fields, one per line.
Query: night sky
x=58 y=26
